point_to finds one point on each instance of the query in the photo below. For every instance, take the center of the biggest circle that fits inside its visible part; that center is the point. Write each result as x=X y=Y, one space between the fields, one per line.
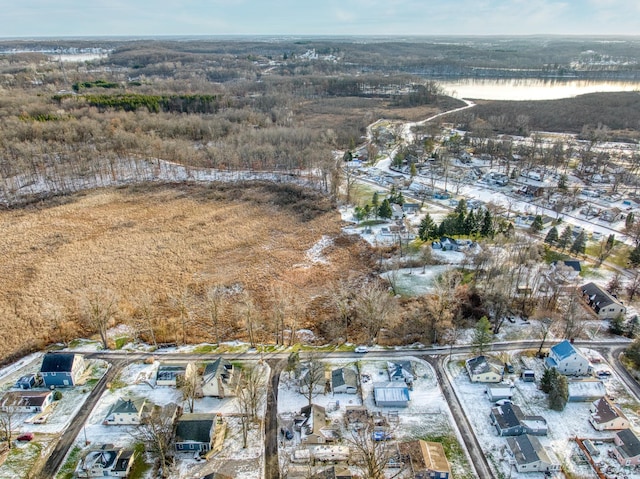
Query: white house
x=126 y=412
x=605 y=305
x=344 y=380
x=26 y=401
x=529 y=455
x=106 y=461
x=567 y=360
x=219 y=379
x=482 y=370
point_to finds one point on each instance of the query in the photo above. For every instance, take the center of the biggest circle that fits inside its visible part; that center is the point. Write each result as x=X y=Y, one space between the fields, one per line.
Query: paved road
x=271 y=463
x=478 y=458
x=54 y=462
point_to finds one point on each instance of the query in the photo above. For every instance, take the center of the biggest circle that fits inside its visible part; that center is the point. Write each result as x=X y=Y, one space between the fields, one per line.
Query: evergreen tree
x=565 y=238
x=559 y=393
x=536 y=226
x=385 y=209
x=375 y=200
x=348 y=156
x=634 y=257
x=617 y=325
x=633 y=353
x=413 y=171
x=471 y=224
x=629 y=220
x=562 y=182
x=487 y=230
x=610 y=242
x=482 y=336
x=548 y=377
x=427 y=229
x=552 y=236
x=580 y=244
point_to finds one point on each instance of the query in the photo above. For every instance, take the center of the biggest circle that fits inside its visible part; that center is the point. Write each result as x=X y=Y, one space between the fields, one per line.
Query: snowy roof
x=220 y=367
x=480 y=365
x=598 y=295
x=586 y=389
x=342 y=376
x=425 y=456
x=605 y=411
x=400 y=369
x=127 y=406
x=563 y=350
x=390 y=392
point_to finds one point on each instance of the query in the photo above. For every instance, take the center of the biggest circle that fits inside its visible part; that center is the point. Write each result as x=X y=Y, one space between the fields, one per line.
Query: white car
x=361 y=349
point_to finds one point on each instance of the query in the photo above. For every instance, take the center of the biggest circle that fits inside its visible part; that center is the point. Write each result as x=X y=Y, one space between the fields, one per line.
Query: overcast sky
x=29 y=18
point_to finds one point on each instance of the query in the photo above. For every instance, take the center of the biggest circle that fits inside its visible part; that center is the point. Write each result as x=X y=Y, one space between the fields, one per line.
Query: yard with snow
x=564 y=426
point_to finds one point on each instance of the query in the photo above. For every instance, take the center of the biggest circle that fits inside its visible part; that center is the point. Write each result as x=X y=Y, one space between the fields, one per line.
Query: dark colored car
x=25 y=437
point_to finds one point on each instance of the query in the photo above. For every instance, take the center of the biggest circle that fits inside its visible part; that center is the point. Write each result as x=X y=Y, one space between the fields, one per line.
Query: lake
x=530 y=88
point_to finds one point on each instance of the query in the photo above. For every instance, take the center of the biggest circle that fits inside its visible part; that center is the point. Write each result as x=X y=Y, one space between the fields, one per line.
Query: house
x=126 y=412
x=605 y=305
x=606 y=416
x=168 y=374
x=627 y=450
x=501 y=391
x=26 y=401
x=529 y=455
x=311 y=376
x=334 y=472
x=195 y=432
x=482 y=370
x=426 y=459
x=29 y=381
x=219 y=379
x=566 y=271
x=410 y=207
x=344 y=380
x=509 y=420
x=401 y=371
x=612 y=215
x=391 y=394
x=106 y=461
x=61 y=369
x=397 y=213
x=567 y=360
x=585 y=390
x=313 y=428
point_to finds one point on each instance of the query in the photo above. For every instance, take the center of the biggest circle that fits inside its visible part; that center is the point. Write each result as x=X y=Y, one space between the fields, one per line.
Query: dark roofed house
x=61 y=369
x=509 y=420
x=529 y=455
x=605 y=305
x=344 y=380
x=606 y=416
x=29 y=381
x=167 y=374
x=401 y=371
x=126 y=412
x=481 y=369
x=334 y=472
x=627 y=450
x=194 y=432
x=26 y=401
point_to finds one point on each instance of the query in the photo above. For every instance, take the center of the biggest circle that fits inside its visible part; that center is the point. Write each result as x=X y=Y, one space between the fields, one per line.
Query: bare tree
x=369 y=454
x=157 y=431
x=375 y=308
x=181 y=302
x=215 y=296
x=190 y=385
x=633 y=287
x=7 y=421
x=250 y=394
x=98 y=310
x=312 y=379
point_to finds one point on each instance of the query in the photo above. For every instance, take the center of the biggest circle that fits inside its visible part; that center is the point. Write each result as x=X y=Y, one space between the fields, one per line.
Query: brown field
x=159 y=249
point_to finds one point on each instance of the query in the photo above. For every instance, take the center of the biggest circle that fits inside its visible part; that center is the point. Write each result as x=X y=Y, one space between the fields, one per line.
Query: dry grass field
x=158 y=250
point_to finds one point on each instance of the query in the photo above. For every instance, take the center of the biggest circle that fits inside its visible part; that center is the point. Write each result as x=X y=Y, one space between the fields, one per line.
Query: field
x=155 y=252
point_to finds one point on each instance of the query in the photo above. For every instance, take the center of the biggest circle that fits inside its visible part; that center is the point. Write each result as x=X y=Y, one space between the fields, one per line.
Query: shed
x=500 y=391
x=586 y=390
x=391 y=394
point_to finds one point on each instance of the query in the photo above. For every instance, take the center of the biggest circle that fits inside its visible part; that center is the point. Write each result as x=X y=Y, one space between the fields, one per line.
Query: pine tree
x=536 y=226
x=565 y=238
x=562 y=182
x=548 y=377
x=470 y=224
x=487 y=230
x=482 y=336
x=552 y=236
x=385 y=209
x=629 y=220
x=580 y=244
x=413 y=171
x=634 y=257
x=427 y=229
x=559 y=393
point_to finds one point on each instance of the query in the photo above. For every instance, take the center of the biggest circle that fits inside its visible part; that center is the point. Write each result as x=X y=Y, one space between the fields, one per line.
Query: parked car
x=502 y=402
x=604 y=373
x=27 y=436
x=508 y=367
x=361 y=349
